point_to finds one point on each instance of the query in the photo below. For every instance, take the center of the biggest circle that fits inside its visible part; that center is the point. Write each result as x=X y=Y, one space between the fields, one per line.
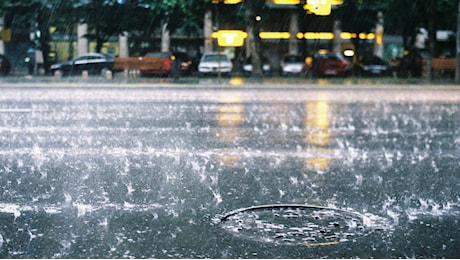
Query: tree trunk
x=254 y=40
x=165 y=38
x=82 y=45
x=457 y=69
x=207 y=29
x=2 y=47
x=431 y=35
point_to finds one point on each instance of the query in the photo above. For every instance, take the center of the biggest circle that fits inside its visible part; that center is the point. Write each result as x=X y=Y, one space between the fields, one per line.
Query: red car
x=329 y=64
x=157 y=63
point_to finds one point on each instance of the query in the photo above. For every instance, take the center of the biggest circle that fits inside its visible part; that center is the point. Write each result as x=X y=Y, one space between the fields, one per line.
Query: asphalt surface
x=157 y=169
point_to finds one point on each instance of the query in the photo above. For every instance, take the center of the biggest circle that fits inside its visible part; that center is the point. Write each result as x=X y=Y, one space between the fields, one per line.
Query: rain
x=123 y=160
x=152 y=172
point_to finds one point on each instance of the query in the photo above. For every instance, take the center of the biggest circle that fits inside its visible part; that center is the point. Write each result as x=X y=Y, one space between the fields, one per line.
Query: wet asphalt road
x=141 y=171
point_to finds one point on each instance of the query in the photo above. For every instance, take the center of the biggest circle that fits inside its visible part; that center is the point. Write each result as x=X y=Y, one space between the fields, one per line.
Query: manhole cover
x=293 y=224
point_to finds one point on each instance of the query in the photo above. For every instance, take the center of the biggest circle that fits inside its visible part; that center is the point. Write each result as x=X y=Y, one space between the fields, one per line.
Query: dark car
x=373 y=66
x=266 y=67
x=411 y=65
x=94 y=63
x=5 y=66
x=186 y=63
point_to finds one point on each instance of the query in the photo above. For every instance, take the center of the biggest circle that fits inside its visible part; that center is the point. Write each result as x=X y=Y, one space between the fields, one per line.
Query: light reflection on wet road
x=141 y=172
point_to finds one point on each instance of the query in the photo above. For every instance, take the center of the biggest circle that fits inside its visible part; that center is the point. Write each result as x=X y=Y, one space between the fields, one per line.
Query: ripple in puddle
x=292 y=224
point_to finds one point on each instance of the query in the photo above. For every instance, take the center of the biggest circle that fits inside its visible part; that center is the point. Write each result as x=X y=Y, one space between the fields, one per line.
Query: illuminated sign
x=230 y=38
x=232 y=2
x=321 y=7
x=227 y=2
x=285 y=2
x=318 y=7
x=319 y=35
x=274 y=35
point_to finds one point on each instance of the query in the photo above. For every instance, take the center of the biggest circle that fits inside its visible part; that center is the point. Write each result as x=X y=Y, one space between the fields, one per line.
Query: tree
x=28 y=21
x=106 y=18
x=253 y=8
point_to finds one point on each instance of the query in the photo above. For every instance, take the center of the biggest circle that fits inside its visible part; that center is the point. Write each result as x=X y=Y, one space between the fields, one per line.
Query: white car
x=292 y=65
x=212 y=63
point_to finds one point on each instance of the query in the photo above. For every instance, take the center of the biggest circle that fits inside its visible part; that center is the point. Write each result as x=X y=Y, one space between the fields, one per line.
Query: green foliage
x=144 y=17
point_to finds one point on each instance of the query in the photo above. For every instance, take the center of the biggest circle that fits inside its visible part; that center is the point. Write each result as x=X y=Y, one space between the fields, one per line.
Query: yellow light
x=336 y=2
x=232 y=2
x=349 y=53
x=362 y=36
x=310 y=36
x=379 y=37
x=370 y=36
x=286 y=2
x=318 y=7
x=236 y=81
x=274 y=35
x=299 y=35
x=325 y=36
x=319 y=36
x=346 y=35
x=231 y=38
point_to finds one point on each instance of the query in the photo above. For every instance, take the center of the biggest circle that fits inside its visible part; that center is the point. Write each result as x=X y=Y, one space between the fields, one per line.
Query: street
x=139 y=171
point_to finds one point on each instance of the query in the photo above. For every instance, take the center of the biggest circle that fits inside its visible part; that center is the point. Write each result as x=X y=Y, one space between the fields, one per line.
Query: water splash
x=295 y=224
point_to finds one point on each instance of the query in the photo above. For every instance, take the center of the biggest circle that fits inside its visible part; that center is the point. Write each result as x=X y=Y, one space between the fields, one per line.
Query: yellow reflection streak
x=229 y=116
x=317 y=120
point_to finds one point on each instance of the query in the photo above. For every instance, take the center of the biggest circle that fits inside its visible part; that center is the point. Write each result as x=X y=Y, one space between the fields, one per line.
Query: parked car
x=157 y=63
x=212 y=63
x=292 y=65
x=372 y=66
x=5 y=66
x=266 y=66
x=411 y=65
x=94 y=63
x=186 y=63
x=328 y=64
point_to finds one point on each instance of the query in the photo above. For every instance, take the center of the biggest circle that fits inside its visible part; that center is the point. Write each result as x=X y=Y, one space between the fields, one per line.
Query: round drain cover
x=293 y=224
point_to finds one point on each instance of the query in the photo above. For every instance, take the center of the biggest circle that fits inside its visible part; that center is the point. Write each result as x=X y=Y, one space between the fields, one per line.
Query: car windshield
x=214 y=58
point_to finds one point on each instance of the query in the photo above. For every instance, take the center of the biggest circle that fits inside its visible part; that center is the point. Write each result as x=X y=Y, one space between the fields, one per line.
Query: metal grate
x=293 y=224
